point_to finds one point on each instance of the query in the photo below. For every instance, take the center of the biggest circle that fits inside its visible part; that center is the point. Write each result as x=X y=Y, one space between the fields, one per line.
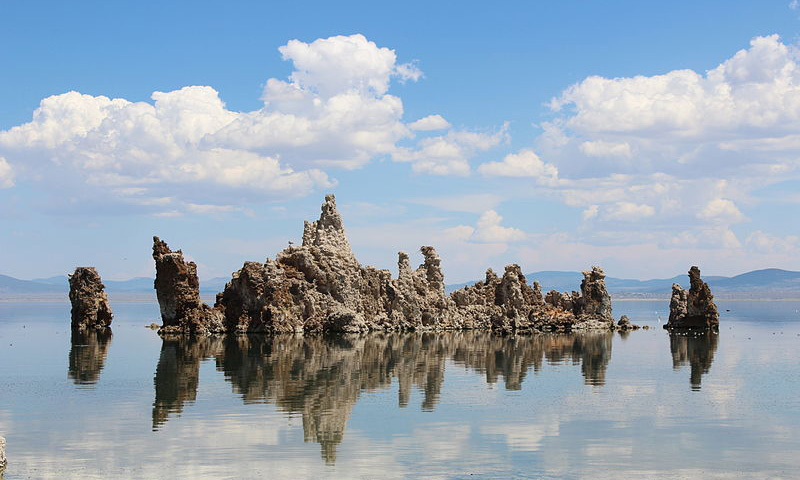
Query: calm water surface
x=598 y=405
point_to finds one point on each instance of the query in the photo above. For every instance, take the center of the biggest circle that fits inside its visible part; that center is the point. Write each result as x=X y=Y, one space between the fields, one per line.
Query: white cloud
x=794 y=4
x=429 y=123
x=333 y=112
x=523 y=164
x=763 y=242
x=721 y=210
x=6 y=174
x=629 y=211
x=600 y=148
x=489 y=230
x=449 y=154
x=330 y=66
x=756 y=88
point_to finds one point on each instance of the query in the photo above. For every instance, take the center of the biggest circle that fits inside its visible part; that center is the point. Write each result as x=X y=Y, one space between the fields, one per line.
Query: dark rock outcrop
x=694 y=309
x=319 y=286
x=178 y=292
x=90 y=308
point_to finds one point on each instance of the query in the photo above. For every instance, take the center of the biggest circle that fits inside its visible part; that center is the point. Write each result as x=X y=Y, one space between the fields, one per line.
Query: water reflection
x=87 y=355
x=322 y=377
x=697 y=350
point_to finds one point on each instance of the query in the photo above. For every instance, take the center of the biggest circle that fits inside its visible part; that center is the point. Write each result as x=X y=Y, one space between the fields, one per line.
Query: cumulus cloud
x=764 y=242
x=756 y=88
x=6 y=174
x=721 y=210
x=489 y=230
x=629 y=211
x=449 y=154
x=429 y=123
x=334 y=111
x=523 y=164
x=600 y=148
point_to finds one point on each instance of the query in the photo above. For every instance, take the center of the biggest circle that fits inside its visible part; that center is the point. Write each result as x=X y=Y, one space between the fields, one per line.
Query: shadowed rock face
x=320 y=286
x=90 y=308
x=178 y=292
x=694 y=309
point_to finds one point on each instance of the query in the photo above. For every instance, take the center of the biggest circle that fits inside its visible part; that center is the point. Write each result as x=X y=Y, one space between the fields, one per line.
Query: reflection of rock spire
x=178 y=373
x=697 y=351
x=322 y=377
x=87 y=355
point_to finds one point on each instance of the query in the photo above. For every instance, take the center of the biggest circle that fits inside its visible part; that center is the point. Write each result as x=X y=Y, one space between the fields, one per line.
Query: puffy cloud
x=756 y=88
x=330 y=66
x=600 y=148
x=523 y=164
x=449 y=154
x=721 y=210
x=429 y=123
x=489 y=230
x=629 y=211
x=6 y=174
x=763 y=242
x=333 y=112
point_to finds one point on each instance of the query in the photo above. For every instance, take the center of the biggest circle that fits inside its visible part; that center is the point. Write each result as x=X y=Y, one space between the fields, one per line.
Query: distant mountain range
x=59 y=285
x=771 y=283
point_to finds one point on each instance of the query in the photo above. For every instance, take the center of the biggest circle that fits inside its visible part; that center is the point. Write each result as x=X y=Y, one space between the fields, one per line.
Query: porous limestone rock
x=178 y=292
x=694 y=309
x=319 y=286
x=90 y=308
x=3 y=460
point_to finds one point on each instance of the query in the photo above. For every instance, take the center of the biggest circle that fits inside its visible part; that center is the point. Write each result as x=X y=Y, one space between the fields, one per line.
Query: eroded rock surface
x=2 y=454
x=178 y=292
x=90 y=307
x=694 y=309
x=320 y=286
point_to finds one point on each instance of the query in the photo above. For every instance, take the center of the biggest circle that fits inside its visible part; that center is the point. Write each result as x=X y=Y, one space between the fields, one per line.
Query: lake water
x=451 y=405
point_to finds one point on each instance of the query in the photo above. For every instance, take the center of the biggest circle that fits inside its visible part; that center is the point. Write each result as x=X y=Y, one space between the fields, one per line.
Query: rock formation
x=694 y=309
x=178 y=292
x=90 y=308
x=319 y=286
x=3 y=460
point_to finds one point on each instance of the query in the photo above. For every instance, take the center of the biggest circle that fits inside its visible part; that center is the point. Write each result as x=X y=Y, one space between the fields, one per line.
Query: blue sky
x=640 y=136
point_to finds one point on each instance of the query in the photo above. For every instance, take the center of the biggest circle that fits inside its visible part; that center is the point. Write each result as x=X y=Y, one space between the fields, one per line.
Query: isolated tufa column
x=90 y=308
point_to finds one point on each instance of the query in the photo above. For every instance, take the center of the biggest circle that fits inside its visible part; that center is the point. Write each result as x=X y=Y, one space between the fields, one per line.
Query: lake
x=446 y=405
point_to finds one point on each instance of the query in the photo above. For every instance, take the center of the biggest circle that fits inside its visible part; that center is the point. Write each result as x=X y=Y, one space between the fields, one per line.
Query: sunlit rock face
x=178 y=293
x=319 y=286
x=90 y=307
x=694 y=309
x=2 y=454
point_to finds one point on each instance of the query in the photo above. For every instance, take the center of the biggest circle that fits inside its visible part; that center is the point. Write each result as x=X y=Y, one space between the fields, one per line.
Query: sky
x=644 y=137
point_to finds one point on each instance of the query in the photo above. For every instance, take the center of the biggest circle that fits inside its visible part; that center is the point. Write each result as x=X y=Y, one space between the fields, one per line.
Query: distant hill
x=11 y=285
x=771 y=282
x=59 y=285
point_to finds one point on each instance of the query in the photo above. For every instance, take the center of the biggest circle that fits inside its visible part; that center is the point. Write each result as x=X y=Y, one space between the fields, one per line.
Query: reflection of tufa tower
x=87 y=355
x=696 y=350
x=322 y=377
x=178 y=373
